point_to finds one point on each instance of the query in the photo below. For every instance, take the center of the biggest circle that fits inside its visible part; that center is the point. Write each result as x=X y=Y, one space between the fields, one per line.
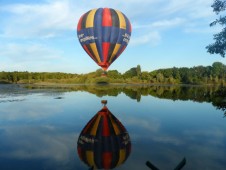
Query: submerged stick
x=181 y=164
x=150 y=165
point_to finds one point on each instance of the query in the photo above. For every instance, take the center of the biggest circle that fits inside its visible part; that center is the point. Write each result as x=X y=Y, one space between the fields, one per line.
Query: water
x=39 y=128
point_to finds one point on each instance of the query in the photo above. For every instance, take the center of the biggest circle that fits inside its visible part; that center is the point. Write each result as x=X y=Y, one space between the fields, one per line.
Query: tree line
x=214 y=74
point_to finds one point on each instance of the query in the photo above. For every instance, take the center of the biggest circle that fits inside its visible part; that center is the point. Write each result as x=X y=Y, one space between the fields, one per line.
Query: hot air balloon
x=104 y=34
x=104 y=143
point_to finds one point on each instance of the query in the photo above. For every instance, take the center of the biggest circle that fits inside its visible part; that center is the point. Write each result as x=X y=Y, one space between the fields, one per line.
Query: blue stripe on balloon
x=86 y=36
x=127 y=25
x=121 y=34
x=114 y=34
x=98 y=31
x=117 y=54
x=106 y=32
x=110 y=34
x=127 y=31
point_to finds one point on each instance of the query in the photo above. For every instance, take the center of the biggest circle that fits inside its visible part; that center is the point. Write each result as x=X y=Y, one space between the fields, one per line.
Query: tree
x=219 y=46
x=160 y=77
x=138 y=69
x=114 y=74
x=130 y=73
x=176 y=74
x=99 y=72
x=145 y=75
x=217 y=69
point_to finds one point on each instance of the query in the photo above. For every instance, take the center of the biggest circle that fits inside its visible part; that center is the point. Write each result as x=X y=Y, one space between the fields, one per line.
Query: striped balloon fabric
x=104 y=142
x=104 y=34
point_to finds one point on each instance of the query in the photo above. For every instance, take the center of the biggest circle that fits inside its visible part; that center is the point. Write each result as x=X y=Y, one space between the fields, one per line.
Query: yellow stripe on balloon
x=90 y=18
x=122 y=156
x=90 y=158
x=117 y=46
x=95 y=52
x=95 y=126
x=115 y=126
x=122 y=21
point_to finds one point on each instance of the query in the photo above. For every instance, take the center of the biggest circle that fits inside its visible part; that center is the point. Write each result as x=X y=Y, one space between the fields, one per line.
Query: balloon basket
x=104 y=102
x=104 y=74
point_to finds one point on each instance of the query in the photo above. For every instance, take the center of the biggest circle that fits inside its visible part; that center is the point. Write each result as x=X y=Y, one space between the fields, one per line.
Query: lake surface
x=40 y=127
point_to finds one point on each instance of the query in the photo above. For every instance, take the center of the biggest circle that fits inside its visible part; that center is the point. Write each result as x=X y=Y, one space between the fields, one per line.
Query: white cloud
x=167 y=139
x=148 y=125
x=41 y=20
x=187 y=15
x=29 y=112
x=168 y=23
x=28 y=52
x=29 y=56
x=152 y=38
x=31 y=143
x=49 y=19
x=215 y=135
x=201 y=29
x=52 y=18
x=161 y=24
x=189 y=8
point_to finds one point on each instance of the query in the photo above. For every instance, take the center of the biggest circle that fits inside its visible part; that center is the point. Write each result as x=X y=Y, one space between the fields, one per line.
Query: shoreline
x=45 y=84
x=56 y=84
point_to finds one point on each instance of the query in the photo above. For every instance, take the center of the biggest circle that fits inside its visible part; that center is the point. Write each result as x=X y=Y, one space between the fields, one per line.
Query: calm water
x=39 y=128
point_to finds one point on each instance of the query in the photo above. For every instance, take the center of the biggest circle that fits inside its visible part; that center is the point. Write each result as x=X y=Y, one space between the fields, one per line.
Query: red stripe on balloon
x=79 y=27
x=130 y=27
x=106 y=130
x=106 y=20
x=107 y=158
x=105 y=49
x=79 y=152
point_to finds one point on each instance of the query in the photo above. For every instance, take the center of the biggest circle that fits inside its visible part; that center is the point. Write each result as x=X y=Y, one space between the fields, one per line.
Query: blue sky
x=40 y=35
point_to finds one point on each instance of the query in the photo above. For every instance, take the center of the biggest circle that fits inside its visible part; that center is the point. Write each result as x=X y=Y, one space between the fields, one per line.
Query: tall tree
x=219 y=46
x=138 y=69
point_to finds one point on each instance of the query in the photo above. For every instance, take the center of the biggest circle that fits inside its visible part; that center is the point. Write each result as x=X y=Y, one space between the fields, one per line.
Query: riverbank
x=49 y=84
x=113 y=85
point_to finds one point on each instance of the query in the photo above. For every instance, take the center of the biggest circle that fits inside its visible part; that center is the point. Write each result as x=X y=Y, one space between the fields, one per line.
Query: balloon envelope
x=104 y=34
x=104 y=142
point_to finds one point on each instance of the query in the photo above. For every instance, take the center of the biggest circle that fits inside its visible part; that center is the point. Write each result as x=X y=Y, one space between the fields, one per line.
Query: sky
x=41 y=35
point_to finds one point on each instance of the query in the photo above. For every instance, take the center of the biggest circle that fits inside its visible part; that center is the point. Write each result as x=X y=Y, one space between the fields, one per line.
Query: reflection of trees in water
x=211 y=94
x=219 y=99
x=133 y=94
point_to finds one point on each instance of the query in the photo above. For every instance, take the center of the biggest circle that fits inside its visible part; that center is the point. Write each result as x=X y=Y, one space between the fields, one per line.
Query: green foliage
x=218 y=69
x=160 y=77
x=114 y=74
x=215 y=74
x=138 y=70
x=130 y=73
x=219 y=46
x=135 y=71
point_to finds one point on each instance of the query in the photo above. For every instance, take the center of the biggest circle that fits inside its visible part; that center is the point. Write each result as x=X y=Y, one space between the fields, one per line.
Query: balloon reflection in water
x=104 y=143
